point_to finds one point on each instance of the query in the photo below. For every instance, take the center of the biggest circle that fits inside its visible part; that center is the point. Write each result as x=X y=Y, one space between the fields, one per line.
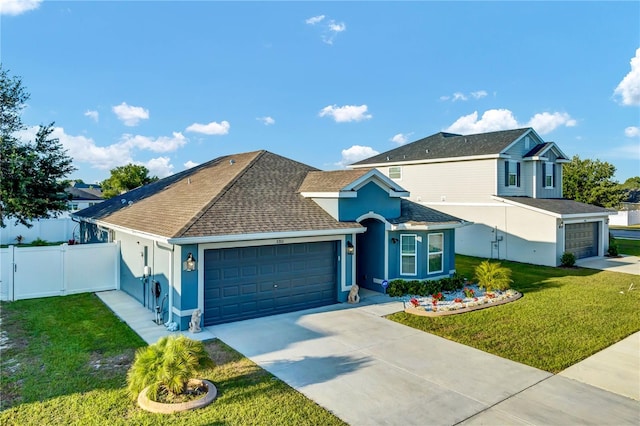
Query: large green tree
x=31 y=172
x=591 y=182
x=125 y=178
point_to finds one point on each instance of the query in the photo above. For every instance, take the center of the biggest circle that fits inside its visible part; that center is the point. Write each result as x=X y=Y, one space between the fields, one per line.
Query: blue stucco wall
x=370 y=198
x=448 y=258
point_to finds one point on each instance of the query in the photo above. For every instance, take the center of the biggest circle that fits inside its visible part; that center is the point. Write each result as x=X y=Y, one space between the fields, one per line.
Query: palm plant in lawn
x=493 y=276
x=166 y=367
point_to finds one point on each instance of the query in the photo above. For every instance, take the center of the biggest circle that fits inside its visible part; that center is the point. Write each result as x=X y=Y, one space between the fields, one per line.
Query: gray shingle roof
x=448 y=145
x=417 y=214
x=559 y=205
x=331 y=181
x=254 y=192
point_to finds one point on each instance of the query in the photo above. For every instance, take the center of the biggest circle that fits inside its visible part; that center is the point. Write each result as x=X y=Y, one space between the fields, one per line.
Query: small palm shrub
x=166 y=367
x=493 y=276
x=568 y=259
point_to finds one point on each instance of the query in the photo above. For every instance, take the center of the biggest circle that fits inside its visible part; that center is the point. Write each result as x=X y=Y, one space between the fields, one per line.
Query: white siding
x=505 y=232
x=463 y=181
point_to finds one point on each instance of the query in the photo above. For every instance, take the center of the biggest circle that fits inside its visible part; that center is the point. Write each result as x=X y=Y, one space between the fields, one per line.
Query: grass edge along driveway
x=565 y=316
x=64 y=361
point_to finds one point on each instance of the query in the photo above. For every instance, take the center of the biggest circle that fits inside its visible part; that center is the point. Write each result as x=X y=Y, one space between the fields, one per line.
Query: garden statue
x=194 y=324
x=354 y=297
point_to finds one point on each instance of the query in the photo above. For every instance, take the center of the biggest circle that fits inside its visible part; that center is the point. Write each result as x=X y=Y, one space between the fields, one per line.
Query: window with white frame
x=512 y=173
x=408 y=251
x=436 y=252
x=548 y=175
x=395 y=172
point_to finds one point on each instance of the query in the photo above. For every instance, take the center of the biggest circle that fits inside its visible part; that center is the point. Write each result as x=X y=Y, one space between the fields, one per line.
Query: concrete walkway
x=141 y=319
x=625 y=264
x=371 y=371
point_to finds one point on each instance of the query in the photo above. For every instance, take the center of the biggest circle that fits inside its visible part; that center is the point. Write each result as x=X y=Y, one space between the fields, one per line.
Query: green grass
x=565 y=316
x=50 y=374
x=628 y=247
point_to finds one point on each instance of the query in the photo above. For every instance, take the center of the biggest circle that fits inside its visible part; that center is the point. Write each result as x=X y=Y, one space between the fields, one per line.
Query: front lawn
x=64 y=361
x=565 y=315
x=628 y=247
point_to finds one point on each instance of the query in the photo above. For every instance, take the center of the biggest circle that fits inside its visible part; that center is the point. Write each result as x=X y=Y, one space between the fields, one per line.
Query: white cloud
x=494 y=119
x=345 y=113
x=160 y=167
x=94 y=115
x=503 y=119
x=268 y=121
x=629 y=87
x=625 y=152
x=130 y=115
x=161 y=144
x=401 y=138
x=479 y=94
x=17 y=7
x=212 y=128
x=337 y=27
x=355 y=153
x=459 y=96
x=189 y=164
x=632 y=131
x=546 y=122
x=315 y=20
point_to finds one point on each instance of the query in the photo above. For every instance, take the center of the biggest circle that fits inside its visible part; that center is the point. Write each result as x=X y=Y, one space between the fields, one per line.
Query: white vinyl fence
x=30 y=272
x=51 y=230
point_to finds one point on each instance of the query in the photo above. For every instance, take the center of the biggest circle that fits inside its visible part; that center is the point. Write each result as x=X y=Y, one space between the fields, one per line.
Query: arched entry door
x=370 y=255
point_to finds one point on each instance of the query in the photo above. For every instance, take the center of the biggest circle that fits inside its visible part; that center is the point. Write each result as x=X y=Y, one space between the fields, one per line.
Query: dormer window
x=395 y=172
x=548 y=171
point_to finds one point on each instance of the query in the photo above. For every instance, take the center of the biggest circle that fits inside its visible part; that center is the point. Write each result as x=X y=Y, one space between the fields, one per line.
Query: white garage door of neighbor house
x=581 y=239
x=251 y=282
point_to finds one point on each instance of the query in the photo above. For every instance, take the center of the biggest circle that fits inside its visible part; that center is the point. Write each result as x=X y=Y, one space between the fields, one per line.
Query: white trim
x=266 y=236
x=342 y=257
x=341 y=194
x=377 y=177
x=441 y=253
x=152 y=237
x=410 y=227
x=354 y=261
x=270 y=242
x=372 y=215
x=415 y=254
x=435 y=160
x=464 y=204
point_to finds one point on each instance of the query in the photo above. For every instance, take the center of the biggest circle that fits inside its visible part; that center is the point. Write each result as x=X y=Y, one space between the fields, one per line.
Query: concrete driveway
x=371 y=371
x=624 y=264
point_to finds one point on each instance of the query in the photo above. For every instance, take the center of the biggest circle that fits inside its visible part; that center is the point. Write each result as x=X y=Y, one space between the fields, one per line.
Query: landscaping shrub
x=399 y=288
x=568 y=259
x=613 y=246
x=493 y=276
x=167 y=366
x=39 y=242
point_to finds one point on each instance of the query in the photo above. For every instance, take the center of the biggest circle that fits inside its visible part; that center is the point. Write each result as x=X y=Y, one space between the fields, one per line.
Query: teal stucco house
x=255 y=234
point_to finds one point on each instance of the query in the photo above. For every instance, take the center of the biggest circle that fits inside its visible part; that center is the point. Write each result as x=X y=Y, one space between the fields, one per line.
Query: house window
x=511 y=173
x=73 y=206
x=548 y=170
x=408 y=252
x=436 y=251
x=395 y=172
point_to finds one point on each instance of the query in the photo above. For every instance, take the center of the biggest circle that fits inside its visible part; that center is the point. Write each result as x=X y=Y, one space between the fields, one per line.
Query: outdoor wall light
x=350 y=248
x=394 y=240
x=561 y=224
x=189 y=264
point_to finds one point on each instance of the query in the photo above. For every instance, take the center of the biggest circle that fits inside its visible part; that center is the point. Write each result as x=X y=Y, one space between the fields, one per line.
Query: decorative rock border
x=420 y=311
x=159 y=407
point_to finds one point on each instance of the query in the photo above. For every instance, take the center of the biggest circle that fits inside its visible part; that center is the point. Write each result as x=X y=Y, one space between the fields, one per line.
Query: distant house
x=509 y=184
x=256 y=234
x=82 y=195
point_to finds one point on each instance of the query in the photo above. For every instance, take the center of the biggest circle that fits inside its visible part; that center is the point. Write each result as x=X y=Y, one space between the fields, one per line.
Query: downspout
x=170 y=308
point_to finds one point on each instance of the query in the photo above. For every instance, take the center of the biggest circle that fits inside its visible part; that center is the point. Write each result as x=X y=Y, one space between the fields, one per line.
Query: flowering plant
x=490 y=295
x=457 y=300
x=468 y=292
x=414 y=302
x=437 y=297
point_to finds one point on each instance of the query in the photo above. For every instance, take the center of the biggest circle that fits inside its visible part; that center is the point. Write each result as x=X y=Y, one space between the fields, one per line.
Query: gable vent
x=232 y=161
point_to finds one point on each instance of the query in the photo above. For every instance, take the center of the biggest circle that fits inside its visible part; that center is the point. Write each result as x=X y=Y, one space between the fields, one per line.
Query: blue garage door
x=250 y=282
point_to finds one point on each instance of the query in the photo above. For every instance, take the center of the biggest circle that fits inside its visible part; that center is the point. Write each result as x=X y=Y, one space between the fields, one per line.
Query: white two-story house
x=509 y=184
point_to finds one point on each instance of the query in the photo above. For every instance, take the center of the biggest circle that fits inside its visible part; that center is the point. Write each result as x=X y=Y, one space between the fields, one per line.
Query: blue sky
x=172 y=84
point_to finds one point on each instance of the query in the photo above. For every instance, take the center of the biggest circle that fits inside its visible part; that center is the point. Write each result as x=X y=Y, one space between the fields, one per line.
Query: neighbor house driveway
x=371 y=371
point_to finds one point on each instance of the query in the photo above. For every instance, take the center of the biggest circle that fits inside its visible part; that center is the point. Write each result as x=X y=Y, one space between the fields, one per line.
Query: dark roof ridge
x=224 y=190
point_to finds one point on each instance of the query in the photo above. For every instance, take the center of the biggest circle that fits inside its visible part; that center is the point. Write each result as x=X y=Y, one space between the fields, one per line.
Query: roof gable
x=340 y=183
x=441 y=146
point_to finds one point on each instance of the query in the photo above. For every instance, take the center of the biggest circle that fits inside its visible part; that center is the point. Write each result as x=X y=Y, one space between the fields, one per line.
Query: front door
x=370 y=255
